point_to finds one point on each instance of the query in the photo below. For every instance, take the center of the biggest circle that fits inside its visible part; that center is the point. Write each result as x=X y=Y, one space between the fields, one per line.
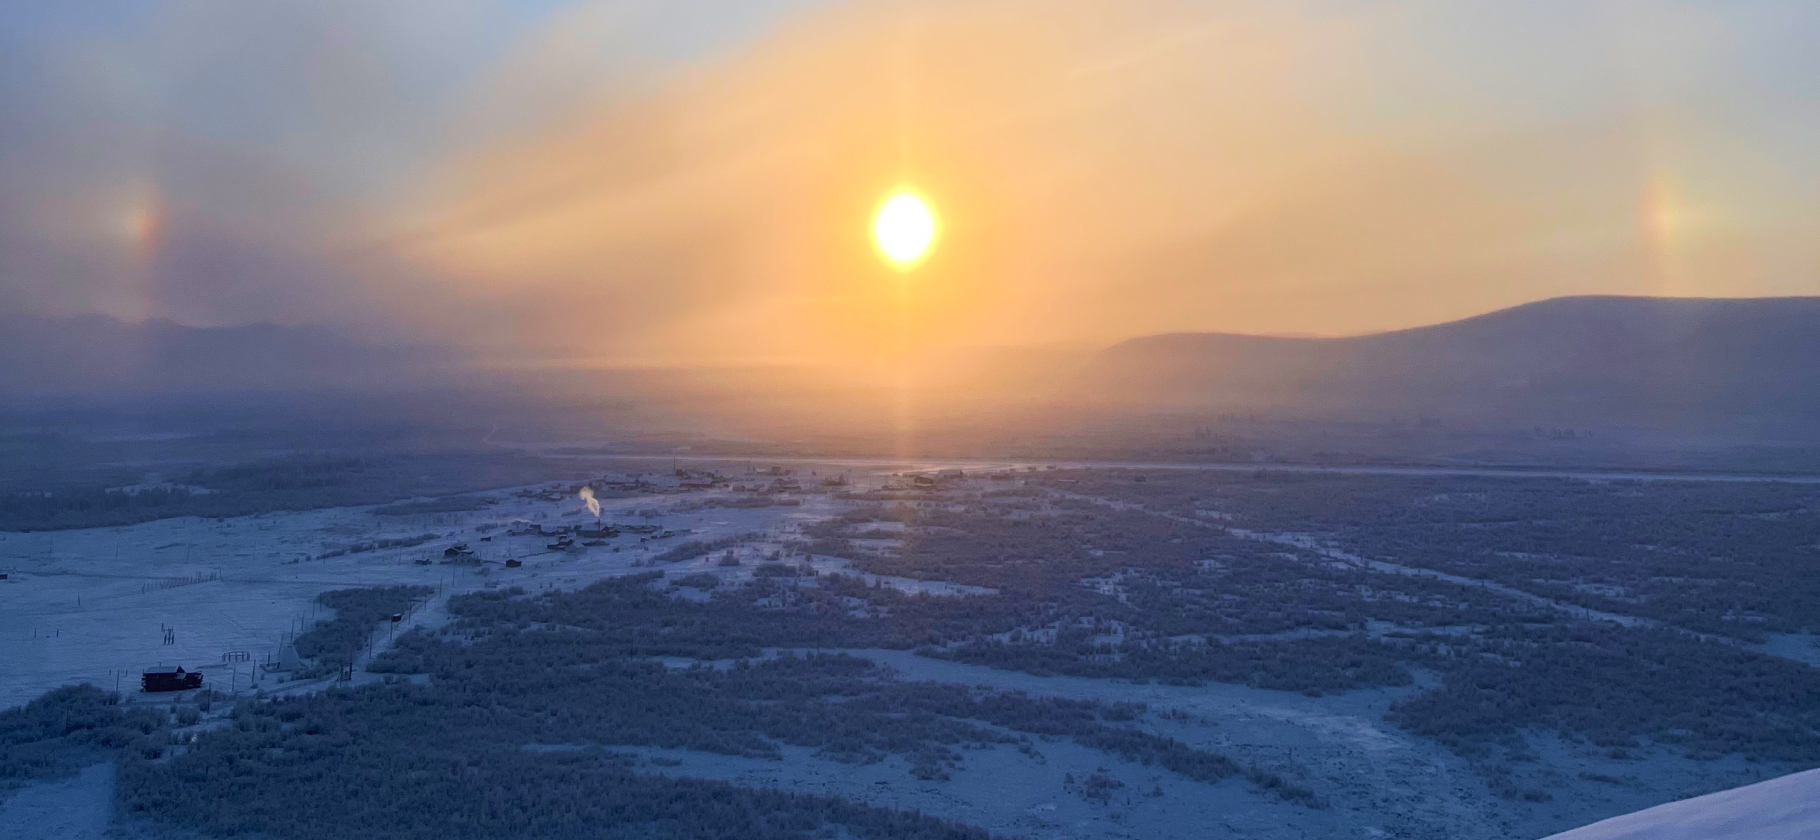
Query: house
x=698 y=479
x=171 y=678
x=619 y=482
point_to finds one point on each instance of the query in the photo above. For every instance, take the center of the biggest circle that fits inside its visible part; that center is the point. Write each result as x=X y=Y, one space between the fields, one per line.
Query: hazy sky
x=690 y=181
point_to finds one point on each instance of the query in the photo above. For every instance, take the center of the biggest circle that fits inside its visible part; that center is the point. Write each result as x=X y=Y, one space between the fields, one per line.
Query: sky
x=689 y=181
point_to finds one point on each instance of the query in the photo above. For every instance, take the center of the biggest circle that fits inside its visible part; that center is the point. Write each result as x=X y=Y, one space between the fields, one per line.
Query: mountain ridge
x=98 y=354
x=1574 y=361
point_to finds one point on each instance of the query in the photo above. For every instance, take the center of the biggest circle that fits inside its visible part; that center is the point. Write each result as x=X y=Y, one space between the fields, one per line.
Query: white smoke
x=587 y=496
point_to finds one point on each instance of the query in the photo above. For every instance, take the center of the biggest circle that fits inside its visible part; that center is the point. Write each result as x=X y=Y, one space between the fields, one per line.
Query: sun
x=904 y=228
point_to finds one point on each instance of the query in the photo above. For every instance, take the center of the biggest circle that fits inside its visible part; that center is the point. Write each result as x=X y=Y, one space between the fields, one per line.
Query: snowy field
x=93 y=605
x=78 y=808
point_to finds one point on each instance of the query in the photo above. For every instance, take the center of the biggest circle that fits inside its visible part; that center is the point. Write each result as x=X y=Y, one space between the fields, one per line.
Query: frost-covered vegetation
x=55 y=735
x=1729 y=558
x=1510 y=621
x=1616 y=688
x=272 y=485
x=691 y=549
x=1680 y=578
x=1327 y=582
x=310 y=779
x=447 y=758
x=333 y=643
x=377 y=545
x=443 y=504
x=568 y=682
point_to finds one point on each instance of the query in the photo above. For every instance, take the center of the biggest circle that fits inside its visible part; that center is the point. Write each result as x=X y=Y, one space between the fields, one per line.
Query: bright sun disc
x=904 y=228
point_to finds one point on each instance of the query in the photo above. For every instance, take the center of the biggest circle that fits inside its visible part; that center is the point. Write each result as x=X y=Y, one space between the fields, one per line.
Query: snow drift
x=1787 y=808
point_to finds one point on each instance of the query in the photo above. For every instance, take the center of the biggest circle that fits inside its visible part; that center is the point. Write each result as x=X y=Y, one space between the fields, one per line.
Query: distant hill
x=1741 y=364
x=1787 y=808
x=95 y=356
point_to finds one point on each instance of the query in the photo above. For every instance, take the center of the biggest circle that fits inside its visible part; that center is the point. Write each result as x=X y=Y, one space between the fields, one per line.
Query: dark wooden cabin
x=170 y=678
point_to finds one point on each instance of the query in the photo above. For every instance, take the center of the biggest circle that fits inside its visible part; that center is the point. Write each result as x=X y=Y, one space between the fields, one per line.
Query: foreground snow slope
x=1787 y=808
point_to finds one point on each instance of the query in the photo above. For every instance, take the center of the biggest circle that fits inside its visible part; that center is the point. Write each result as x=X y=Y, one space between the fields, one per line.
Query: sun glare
x=904 y=228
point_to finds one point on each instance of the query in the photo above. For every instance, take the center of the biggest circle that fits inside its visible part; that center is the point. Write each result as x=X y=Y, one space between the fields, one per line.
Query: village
x=224 y=598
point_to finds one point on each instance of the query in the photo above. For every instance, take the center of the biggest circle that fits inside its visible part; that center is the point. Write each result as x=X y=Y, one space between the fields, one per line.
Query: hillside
x=98 y=356
x=1579 y=361
x=1787 y=808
